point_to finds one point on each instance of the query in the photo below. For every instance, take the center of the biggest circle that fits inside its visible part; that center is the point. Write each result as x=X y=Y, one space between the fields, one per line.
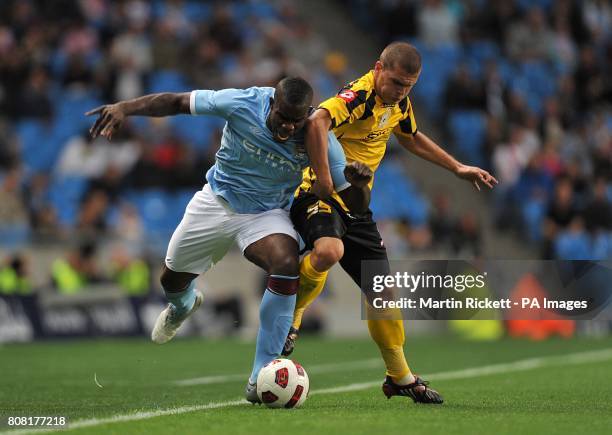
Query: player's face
x=286 y=120
x=393 y=84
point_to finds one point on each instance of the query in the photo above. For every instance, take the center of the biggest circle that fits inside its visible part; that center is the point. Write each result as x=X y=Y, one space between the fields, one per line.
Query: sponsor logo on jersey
x=271 y=159
x=347 y=95
x=376 y=134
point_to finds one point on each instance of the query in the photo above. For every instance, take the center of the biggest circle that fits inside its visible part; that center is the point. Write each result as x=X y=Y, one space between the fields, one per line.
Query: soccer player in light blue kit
x=246 y=200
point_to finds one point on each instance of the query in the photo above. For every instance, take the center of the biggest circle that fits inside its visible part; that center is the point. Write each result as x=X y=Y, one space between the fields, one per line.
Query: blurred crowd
x=520 y=86
x=524 y=92
x=60 y=59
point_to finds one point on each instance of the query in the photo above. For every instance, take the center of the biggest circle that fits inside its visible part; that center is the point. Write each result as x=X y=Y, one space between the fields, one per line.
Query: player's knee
x=285 y=265
x=327 y=253
x=172 y=281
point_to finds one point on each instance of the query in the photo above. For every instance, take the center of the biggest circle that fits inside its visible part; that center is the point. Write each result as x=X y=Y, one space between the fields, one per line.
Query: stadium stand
x=524 y=93
x=535 y=114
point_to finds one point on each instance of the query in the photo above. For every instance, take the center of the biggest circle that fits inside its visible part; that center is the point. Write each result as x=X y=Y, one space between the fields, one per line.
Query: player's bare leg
x=314 y=267
x=387 y=330
x=277 y=254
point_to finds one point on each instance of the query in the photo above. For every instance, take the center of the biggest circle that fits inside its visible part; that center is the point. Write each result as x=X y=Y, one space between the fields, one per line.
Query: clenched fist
x=358 y=174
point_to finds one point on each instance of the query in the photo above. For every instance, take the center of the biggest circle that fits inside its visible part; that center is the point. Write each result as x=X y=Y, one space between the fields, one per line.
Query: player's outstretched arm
x=317 y=127
x=424 y=147
x=357 y=196
x=111 y=116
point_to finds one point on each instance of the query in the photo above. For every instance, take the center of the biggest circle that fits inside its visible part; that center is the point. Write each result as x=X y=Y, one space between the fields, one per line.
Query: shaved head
x=401 y=55
x=294 y=91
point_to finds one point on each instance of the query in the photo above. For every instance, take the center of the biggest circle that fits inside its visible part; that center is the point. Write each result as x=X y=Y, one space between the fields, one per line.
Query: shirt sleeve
x=407 y=125
x=220 y=103
x=337 y=163
x=347 y=106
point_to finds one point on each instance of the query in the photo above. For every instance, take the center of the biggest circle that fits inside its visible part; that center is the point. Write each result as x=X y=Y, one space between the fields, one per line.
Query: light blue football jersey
x=252 y=171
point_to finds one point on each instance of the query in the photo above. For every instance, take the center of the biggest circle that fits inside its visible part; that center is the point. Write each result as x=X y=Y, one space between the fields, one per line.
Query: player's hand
x=476 y=175
x=358 y=174
x=110 y=118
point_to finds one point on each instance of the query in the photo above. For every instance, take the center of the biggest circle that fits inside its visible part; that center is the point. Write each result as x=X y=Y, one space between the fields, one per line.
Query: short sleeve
x=407 y=125
x=347 y=106
x=337 y=163
x=220 y=103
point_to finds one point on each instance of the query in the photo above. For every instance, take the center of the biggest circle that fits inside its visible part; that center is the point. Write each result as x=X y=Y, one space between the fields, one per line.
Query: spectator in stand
x=205 y=69
x=14 y=276
x=564 y=50
x=592 y=86
x=131 y=273
x=225 y=31
x=438 y=24
x=167 y=47
x=598 y=212
x=131 y=53
x=70 y=275
x=530 y=37
x=13 y=212
x=129 y=227
x=442 y=221
x=464 y=91
x=9 y=146
x=34 y=101
x=561 y=211
x=466 y=239
x=598 y=19
x=511 y=158
x=91 y=221
x=399 y=19
x=42 y=214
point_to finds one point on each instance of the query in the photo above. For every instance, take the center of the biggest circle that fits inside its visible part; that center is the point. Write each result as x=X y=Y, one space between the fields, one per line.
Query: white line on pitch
x=494 y=369
x=516 y=366
x=314 y=369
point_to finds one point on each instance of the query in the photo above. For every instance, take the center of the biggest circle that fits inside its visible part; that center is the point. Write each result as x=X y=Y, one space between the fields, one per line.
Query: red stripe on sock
x=283 y=286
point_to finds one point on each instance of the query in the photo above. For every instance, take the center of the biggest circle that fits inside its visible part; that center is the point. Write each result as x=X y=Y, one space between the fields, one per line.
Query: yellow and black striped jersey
x=363 y=124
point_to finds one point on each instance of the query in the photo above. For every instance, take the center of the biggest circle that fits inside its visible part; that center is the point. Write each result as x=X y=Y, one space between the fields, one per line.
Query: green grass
x=58 y=379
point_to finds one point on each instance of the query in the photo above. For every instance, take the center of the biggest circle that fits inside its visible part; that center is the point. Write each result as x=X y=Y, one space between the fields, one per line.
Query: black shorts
x=314 y=218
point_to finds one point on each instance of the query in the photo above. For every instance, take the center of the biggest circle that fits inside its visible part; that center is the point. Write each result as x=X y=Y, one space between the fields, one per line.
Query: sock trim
x=283 y=286
x=277 y=293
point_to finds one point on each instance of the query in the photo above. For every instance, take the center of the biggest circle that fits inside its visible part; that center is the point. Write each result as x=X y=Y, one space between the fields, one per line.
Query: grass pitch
x=195 y=386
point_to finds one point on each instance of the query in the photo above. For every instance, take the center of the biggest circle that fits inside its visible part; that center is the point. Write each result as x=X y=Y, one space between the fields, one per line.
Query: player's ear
x=378 y=66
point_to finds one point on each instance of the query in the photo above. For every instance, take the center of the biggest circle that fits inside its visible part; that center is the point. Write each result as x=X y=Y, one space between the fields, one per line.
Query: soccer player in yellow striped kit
x=363 y=115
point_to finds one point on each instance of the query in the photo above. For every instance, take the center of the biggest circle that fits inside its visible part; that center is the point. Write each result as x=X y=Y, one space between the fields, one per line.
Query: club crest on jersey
x=384 y=118
x=347 y=95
